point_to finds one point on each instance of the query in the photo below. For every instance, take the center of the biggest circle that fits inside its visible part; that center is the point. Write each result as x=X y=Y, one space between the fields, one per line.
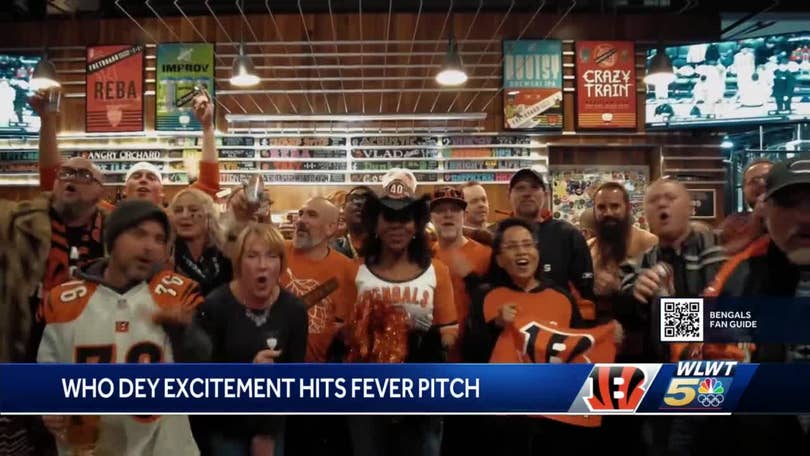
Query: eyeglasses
x=518 y=247
x=81 y=175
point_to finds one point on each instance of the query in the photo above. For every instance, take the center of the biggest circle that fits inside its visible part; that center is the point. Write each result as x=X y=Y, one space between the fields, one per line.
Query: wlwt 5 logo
x=615 y=388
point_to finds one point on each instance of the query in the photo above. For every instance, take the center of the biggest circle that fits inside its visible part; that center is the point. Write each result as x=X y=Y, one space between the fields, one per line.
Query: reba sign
x=114 y=88
x=606 y=84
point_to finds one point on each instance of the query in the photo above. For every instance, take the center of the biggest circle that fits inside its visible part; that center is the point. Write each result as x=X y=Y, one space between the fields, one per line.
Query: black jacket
x=766 y=273
x=694 y=268
x=565 y=258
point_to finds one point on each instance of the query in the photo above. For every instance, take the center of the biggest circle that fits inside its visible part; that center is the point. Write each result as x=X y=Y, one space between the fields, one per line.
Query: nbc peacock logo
x=711 y=393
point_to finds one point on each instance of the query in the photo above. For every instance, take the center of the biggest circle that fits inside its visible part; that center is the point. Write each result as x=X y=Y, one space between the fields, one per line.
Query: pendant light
x=44 y=76
x=452 y=72
x=243 y=73
x=659 y=72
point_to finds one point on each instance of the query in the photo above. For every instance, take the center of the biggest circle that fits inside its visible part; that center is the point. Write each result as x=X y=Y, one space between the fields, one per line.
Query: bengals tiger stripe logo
x=618 y=388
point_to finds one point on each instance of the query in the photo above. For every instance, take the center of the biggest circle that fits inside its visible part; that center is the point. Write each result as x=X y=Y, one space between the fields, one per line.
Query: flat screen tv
x=16 y=116
x=751 y=81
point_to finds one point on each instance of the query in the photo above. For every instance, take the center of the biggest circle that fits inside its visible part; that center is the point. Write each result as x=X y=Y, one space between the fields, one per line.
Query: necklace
x=258 y=316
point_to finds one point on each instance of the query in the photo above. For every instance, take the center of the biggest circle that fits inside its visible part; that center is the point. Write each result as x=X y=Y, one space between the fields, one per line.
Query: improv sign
x=114 y=88
x=532 y=84
x=606 y=84
x=183 y=69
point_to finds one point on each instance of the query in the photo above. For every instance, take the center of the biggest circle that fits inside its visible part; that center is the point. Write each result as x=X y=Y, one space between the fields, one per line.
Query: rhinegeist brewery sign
x=606 y=84
x=182 y=71
x=114 y=88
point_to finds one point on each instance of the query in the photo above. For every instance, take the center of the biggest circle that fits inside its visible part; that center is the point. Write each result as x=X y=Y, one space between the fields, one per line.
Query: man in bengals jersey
x=125 y=310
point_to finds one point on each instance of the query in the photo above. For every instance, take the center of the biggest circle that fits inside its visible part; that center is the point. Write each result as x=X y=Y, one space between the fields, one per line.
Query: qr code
x=682 y=320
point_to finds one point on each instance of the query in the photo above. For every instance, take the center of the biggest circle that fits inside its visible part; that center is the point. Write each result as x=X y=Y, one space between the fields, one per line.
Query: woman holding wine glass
x=252 y=319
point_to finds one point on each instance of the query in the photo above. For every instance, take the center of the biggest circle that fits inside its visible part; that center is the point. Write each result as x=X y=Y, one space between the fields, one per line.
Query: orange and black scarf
x=58 y=267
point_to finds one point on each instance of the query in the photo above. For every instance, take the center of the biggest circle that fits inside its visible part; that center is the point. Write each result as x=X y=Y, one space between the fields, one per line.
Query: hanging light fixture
x=660 y=71
x=243 y=73
x=44 y=76
x=452 y=72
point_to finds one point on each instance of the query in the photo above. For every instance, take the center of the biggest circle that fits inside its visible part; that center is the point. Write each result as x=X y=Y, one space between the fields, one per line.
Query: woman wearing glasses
x=401 y=285
x=517 y=317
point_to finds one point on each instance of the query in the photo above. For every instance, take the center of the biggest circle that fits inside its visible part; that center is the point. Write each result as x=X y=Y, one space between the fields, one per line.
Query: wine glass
x=271 y=339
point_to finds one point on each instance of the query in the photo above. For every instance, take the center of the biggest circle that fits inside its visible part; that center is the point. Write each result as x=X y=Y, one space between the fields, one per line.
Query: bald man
x=324 y=279
x=42 y=240
x=682 y=265
x=693 y=257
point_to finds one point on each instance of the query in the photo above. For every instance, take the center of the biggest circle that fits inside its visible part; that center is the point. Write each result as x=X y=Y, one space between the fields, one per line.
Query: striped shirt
x=694 y=265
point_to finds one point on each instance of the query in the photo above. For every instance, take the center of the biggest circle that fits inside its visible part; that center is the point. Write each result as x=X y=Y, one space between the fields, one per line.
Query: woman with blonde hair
x=253 y=319
x=197 y=250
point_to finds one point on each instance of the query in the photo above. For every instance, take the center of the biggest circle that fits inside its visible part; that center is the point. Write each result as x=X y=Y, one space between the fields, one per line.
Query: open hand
x=203 y=109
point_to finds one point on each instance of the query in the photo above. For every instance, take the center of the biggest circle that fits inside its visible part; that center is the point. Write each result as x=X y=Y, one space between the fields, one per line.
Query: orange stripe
x=756 y=248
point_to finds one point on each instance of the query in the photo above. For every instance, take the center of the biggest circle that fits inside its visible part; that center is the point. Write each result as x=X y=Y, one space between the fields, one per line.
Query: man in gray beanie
x=100 y=318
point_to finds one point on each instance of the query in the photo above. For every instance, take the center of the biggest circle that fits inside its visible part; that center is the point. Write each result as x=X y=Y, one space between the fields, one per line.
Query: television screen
x=16 y=116
x=756 y=80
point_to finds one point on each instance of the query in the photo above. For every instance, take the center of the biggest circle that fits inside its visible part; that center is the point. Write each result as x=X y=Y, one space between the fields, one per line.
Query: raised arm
x=208 y=180
x=49 y=159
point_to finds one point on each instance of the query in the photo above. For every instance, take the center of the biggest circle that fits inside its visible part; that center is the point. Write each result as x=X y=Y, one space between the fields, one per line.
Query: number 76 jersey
x=88 y=322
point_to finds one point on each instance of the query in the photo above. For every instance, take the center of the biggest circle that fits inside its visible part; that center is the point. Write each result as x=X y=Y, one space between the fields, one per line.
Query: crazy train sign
x=606 y=84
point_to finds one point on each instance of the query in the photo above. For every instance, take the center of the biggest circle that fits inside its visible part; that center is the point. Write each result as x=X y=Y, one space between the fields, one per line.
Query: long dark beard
x=612 y=240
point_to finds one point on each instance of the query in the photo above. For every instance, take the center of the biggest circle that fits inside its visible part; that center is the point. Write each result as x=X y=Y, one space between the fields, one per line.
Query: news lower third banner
x=602 y=389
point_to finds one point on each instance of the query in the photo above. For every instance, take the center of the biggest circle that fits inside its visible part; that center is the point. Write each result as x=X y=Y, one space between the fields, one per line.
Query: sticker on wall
x=573 y=188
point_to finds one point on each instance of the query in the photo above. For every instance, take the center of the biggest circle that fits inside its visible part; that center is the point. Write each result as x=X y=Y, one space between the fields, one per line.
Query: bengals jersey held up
x=542 y=333
x=88 y=322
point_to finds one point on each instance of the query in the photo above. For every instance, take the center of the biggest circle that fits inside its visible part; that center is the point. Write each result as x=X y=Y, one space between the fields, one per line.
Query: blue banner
x=689 y=387
x=290 y=388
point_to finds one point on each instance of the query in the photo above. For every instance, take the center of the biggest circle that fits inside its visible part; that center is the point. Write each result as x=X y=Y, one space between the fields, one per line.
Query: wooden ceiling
x=355 y=62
